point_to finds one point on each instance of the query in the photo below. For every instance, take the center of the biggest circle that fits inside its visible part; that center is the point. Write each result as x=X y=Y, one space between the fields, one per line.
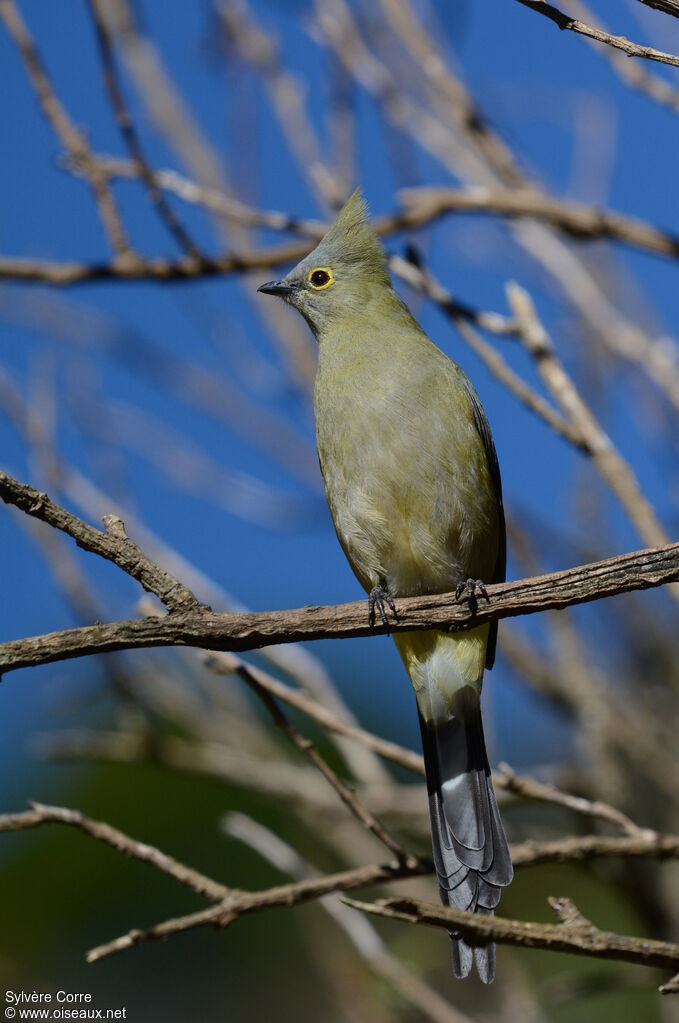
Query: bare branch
x=238 y=903
x=235 y=631
x=424 y=205
x=610 y=464
x=113 y=545
x=227 y=664
x=575 y=219
x=358 y=928
x=574 y=934
x=129 y=132
x=666 y=6
x=564 y=22
x=631 y=72
x=70 y=136
x=306 y=747
x=587 y=847
x=136 y=268
x=520 y=785
x=103 y=832
x=241 y=903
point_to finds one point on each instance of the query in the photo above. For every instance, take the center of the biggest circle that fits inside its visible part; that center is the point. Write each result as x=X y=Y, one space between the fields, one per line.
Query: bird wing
x=500 y=573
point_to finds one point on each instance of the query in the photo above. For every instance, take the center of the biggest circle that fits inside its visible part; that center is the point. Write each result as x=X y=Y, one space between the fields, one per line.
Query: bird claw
x=377 y=598
x=467 y=590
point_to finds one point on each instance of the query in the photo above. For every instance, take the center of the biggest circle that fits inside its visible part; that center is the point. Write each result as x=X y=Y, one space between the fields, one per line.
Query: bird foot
x=377 y=598
x=469 y=590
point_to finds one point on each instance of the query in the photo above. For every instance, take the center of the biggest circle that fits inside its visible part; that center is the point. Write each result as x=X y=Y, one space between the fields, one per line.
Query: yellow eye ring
x=320 y=278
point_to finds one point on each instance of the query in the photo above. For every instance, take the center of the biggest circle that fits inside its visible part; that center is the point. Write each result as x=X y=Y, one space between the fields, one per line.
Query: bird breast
x=405 y=470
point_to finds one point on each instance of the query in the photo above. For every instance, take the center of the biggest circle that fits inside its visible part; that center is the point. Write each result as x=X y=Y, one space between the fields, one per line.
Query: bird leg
x=377 y=598
x=467 y=590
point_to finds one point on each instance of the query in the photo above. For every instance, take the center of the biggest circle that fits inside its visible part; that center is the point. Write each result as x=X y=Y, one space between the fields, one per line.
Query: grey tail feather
x=470 y=848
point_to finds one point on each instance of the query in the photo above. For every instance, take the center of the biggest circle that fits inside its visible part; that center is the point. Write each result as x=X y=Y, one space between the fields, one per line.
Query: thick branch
x=228 y=631
x=564 y=22
x=574 y=934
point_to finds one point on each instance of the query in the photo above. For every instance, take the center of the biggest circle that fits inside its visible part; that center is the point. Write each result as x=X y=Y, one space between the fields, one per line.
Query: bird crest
x=351 y=238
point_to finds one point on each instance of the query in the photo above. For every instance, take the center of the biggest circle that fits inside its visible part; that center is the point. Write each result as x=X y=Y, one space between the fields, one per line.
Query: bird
x=413 y=485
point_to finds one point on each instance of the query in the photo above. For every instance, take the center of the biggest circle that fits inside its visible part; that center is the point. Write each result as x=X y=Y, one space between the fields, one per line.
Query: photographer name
x=46 y=997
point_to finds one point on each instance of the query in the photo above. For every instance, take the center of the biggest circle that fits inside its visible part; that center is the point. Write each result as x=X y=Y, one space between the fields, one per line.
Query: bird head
x=341 y=274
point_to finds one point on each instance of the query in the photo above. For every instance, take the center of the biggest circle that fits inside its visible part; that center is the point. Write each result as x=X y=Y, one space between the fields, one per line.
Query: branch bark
x=566 y=23
x=421 y=207
x=573 y=934
x=666 y=6
x=113 y=545
x=240 y=903
x=103 y=832
x=231 y=631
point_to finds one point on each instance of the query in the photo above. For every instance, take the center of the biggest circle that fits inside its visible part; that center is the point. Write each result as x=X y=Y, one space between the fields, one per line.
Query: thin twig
x=425 y=205
x=631 y=72
x=242 y=903
x=103 y=832
x=586 y=847
x=71 y=137
x=359 y=930
x=306 y=747
x=420 y=207
x=521 y=785
x=231 y=903
x=129 y=132
x=609 y=463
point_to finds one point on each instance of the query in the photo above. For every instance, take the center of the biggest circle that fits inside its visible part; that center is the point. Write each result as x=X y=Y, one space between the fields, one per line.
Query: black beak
x=275 y=288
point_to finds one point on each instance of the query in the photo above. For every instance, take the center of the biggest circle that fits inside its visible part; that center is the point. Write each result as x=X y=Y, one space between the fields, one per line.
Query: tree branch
x=587 y=847
x=424 y=205
x=236 y=631
x=306 y=748
x=70 y=136
x=103 y=832
x=574 y=934
x=564 y=22
x=129 y=132
x=421 y=207
x=666 y=6
x=239 y=903
x=229 y=904
x=113 y=545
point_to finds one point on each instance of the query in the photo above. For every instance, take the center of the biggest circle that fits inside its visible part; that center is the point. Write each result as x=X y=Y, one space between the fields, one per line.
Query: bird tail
x=471 y=855
x=470 y=849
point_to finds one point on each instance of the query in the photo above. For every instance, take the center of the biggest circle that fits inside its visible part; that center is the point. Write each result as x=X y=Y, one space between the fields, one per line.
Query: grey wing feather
x=500 y=573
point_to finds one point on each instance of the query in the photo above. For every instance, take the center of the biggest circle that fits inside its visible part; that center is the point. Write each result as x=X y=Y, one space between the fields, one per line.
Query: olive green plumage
x=414 y=491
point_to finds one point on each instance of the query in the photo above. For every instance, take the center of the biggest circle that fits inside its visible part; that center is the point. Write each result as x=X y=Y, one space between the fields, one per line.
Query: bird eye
x=321 y=278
